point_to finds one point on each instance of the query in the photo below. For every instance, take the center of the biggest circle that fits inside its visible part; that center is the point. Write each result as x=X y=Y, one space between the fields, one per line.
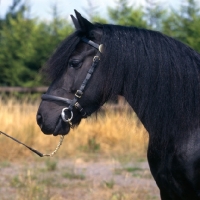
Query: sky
x=42 y=8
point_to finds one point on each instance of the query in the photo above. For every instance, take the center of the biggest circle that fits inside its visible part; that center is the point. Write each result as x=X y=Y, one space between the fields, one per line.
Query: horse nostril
x=39 y=120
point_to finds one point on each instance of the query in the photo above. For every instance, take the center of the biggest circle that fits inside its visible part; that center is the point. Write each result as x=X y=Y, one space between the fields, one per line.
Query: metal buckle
x=76 y=105
x=78 y=94
x=96 y=59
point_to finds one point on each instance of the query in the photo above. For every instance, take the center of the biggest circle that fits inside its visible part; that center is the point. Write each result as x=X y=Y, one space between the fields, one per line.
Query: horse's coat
x=159 y=77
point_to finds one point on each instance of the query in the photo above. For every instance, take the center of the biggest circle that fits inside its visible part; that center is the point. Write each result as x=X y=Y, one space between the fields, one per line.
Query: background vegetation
x=104 y=158
x=26 y=42
x=103 y=134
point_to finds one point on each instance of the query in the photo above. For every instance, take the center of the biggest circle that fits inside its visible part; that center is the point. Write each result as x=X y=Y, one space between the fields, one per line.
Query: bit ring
x=63 y=115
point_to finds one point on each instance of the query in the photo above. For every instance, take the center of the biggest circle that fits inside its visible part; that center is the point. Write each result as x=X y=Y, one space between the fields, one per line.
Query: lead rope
x=33 y=150
x=58 y=146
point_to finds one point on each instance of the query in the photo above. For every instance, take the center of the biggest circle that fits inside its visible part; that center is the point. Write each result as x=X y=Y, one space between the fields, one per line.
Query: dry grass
x=118 y=136
x=111 y=132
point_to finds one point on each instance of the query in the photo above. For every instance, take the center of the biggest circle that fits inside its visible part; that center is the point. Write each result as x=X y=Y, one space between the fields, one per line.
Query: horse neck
x=166 y=103
x=157 y=75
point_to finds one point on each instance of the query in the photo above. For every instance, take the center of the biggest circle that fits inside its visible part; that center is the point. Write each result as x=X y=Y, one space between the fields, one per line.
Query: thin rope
x=33 y=150
x=58 y=146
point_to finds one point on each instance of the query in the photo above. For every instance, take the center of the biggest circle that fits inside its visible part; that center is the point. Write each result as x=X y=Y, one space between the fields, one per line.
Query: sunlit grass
x=112 y=132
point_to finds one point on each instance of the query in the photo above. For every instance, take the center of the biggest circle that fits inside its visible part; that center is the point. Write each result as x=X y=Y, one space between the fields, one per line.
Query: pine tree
x=185 y=24
x=126 y=15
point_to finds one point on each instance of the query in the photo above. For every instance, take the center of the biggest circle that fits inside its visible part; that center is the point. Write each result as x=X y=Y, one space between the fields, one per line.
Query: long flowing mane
x=160 y=76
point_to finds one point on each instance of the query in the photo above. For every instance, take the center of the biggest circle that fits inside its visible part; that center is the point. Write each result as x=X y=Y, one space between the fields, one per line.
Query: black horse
x=159 y=77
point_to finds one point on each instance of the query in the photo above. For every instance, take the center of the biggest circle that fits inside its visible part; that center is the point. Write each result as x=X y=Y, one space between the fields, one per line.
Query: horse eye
x=75 y=64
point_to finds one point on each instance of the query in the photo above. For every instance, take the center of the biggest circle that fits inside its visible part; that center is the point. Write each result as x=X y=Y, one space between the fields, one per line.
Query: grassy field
x=104 y=158
x=111 y=132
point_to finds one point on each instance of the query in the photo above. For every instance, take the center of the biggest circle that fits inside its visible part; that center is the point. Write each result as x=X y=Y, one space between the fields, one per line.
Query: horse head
x=74 y=92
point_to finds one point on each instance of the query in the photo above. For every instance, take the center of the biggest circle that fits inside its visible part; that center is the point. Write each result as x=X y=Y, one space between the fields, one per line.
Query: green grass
x=132 y=169
x=92 y=146
x=70 y=174
x=28 y=187
x=118 y=196
x=109 y=184
x=51 y=165
x=4 y=164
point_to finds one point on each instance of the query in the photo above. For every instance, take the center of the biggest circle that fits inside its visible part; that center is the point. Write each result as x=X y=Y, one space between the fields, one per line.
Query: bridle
x=73 y=103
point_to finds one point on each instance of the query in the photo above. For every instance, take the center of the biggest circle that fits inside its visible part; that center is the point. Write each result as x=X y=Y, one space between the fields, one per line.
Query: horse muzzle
x=51 y=126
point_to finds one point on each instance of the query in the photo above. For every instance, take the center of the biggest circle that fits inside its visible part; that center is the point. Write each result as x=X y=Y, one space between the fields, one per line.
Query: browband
x=95 y=45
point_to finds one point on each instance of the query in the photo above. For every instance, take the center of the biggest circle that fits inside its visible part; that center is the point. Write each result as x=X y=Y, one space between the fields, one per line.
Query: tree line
x=26 y=42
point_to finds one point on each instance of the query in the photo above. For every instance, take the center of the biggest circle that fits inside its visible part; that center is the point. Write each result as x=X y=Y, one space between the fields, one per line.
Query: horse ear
x=75 y=22
x=84 y=24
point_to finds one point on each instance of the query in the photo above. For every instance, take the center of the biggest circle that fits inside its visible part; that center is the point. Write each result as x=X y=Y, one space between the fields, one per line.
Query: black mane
x=162 y=73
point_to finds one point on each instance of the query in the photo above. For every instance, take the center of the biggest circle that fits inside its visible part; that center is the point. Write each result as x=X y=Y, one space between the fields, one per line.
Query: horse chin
x=62 y=128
